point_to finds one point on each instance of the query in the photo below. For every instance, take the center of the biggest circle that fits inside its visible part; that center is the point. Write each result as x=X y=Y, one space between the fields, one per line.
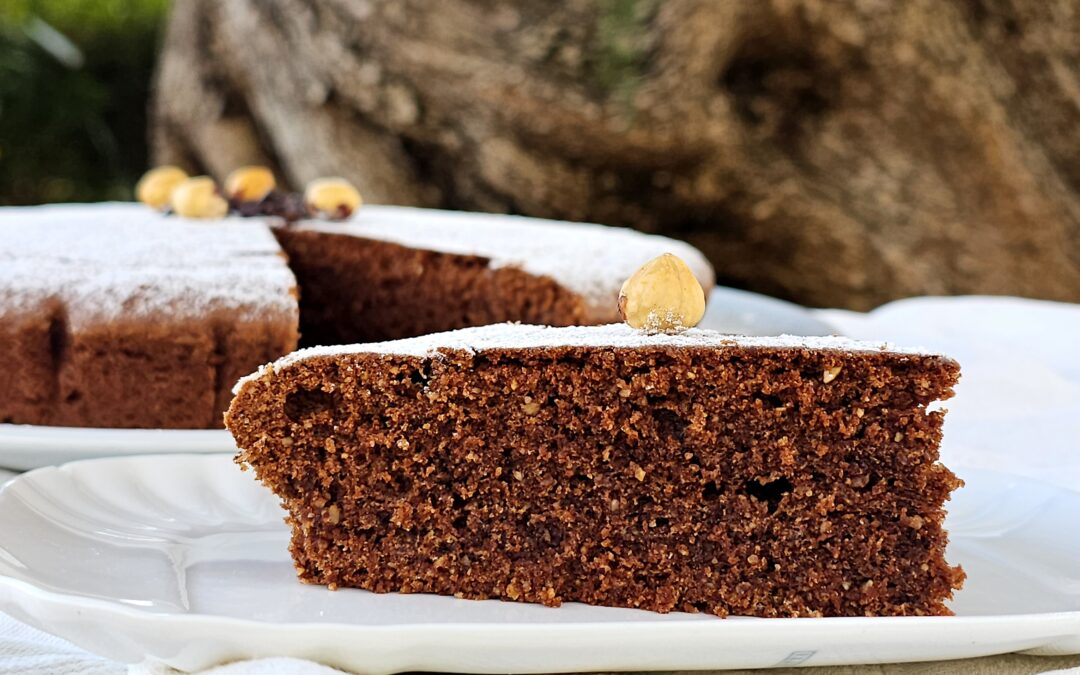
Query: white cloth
x=26 y=650
x=1017 y=409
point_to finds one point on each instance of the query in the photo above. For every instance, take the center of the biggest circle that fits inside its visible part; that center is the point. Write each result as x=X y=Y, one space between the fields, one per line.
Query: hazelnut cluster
x=248 y=191
x=663 y=296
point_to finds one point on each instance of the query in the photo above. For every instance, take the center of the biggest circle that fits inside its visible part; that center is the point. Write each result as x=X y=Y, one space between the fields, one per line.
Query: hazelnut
x=831 y=374
x=198 y=198
x=331 y=198
x=662 y=296
x=157 y=184
x=249 y=184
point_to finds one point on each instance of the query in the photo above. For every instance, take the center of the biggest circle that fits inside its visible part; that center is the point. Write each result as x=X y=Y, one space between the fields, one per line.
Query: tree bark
x=834 y=153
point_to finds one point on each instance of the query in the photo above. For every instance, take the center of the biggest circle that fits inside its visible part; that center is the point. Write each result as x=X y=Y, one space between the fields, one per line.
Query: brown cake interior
x=363 y=290
x=130 y=374
x=28 y=341
x=732 y=481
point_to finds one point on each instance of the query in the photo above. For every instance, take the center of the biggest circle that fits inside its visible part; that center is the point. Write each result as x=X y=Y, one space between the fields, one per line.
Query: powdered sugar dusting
x=108 y=262
x=514 y=336
x=590 y=260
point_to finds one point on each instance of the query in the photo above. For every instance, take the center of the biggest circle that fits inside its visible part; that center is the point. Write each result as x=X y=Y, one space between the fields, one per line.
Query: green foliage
x=74 y=86
x=620 y=55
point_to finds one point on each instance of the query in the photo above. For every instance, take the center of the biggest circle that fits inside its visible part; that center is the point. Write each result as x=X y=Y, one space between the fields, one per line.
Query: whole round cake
x=115 y=315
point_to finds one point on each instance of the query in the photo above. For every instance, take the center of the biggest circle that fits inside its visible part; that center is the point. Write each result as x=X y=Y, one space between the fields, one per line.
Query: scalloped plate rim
x=397 y=646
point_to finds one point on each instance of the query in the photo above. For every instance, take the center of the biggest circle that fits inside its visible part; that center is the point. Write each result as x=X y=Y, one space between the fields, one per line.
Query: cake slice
x=771 y=477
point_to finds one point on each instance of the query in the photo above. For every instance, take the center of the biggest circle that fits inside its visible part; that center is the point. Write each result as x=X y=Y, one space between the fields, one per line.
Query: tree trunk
x=834 y=153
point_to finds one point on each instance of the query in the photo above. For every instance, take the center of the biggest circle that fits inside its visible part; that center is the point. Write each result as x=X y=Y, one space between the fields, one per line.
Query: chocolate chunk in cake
x=692 y=472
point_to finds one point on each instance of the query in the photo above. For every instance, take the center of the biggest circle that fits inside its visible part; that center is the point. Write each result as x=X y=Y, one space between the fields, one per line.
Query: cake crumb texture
x=681 y=474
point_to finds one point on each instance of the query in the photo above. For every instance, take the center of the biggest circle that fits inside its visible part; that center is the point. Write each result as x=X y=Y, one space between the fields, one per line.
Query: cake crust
x=694 y=473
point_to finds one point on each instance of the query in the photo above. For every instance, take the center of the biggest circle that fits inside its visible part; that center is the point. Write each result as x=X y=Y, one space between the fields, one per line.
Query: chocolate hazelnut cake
x=770 y=477
x=114 y=315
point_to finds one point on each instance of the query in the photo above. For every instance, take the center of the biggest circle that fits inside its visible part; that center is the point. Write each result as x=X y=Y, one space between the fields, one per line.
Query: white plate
x=182 y=560
x=731 y=310
x=24 y=447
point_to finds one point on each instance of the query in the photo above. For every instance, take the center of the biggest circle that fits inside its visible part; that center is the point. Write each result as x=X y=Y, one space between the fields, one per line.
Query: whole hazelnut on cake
x=331 y=198
x=198 y=198
x=156 y=186
x=249 y=184
x=663 y=296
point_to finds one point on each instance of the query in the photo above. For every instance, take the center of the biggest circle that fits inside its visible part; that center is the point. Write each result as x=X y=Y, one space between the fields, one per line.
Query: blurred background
x=74 y=95
x=832 y=152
